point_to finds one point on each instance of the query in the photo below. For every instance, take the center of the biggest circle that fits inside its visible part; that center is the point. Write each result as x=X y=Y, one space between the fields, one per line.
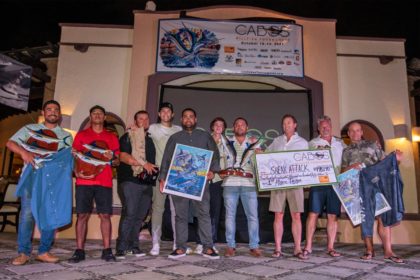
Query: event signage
x=187 y=174
x=293 y=169
x=237 y=47
x=15 y=83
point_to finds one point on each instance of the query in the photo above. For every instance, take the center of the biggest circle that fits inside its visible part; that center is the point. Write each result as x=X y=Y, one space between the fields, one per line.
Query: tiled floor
x=320 y=266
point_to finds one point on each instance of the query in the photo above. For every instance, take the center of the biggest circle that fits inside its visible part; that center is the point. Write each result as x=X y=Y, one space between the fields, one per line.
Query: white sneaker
x=155 y=250
x=188 y=251
x=199 y=249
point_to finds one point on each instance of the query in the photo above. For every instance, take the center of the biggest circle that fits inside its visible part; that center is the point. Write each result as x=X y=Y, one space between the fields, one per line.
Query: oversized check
x=293 y=169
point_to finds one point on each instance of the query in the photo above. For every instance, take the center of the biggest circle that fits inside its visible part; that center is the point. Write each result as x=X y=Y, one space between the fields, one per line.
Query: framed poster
x=348 y=192
x=230 y=47
x=15 y=83
x=187 y=174
x=293 y=169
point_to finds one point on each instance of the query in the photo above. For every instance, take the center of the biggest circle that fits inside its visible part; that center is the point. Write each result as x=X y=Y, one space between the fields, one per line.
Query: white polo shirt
x=295 y=143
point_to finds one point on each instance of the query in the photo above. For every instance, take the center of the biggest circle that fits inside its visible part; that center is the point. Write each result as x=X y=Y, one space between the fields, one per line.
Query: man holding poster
x=324 y=198
x=200 y=139
x=290 y=140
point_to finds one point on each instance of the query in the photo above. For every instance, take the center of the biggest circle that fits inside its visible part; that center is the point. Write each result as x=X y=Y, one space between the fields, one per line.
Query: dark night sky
x=31 y=23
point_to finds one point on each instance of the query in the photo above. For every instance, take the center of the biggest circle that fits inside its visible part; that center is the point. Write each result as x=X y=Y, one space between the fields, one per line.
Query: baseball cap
x=97 y=107
x=166 y=105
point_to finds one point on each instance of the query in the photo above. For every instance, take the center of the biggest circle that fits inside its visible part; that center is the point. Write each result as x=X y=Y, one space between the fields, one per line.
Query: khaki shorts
x=294 y=197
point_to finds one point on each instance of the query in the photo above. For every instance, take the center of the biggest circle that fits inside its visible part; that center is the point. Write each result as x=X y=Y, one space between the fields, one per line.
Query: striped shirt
x=247 y=166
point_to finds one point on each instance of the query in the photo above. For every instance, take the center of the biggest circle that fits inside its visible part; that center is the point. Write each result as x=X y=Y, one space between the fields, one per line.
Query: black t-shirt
x=124 y=171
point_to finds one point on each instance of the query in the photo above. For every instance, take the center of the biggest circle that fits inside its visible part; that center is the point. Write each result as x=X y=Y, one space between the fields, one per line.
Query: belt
x=236 y=172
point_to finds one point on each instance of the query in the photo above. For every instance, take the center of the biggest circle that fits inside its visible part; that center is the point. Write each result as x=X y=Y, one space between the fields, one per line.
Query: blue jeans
x=26 y=228
x=249 y=201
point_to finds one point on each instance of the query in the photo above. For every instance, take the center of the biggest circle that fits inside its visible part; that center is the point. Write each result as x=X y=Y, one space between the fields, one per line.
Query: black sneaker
x=137 y=252
x=78 y=256
x=120 y=255
x=107 y=255
x=177 y=253
x=210 y=253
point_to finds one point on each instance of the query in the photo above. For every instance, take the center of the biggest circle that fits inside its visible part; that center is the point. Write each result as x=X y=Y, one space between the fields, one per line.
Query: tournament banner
x=187 y=174
x=15 y=83
x=236 y=47
x=293 y=169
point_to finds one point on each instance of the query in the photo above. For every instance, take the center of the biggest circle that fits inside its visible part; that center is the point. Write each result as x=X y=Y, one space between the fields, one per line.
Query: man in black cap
x=160 y=133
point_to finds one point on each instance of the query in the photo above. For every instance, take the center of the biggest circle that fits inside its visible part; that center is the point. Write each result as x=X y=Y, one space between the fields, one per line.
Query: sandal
x=367 y=256
x=277 y=254
x=306 y=253
x=394 y=259
x=300 y=256
x=333 y=253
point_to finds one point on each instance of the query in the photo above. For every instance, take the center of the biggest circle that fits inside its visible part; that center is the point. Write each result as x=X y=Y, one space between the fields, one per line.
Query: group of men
x=145 y=150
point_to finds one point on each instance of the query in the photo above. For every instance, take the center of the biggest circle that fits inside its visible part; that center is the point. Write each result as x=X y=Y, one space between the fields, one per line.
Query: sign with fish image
x=187 y=174
x=15 y=83
x=92 y=160
x=236 y=47
x=347 y=191
x=42 y=143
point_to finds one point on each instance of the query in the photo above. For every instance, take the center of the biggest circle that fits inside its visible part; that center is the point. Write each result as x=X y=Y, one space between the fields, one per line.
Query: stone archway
x=370 y=132
x=113 y=123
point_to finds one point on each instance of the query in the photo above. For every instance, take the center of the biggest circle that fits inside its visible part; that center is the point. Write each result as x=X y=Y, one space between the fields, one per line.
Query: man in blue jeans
x=239 y=182
x=51 y=112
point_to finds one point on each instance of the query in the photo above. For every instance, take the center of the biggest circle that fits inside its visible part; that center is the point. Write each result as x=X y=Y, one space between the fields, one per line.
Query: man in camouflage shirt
x=361 y=152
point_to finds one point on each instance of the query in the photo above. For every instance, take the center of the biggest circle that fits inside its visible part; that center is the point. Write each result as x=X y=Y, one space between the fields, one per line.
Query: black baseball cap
x=97 y=107
x=166 y=105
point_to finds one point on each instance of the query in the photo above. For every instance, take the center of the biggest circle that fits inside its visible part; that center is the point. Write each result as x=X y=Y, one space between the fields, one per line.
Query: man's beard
x=189 y=127
x=240 y=134
x=54 y=121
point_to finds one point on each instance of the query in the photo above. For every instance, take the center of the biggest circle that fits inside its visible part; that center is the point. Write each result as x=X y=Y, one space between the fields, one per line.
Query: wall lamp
x=416 y=134
x=81 y=47
x=401 y=131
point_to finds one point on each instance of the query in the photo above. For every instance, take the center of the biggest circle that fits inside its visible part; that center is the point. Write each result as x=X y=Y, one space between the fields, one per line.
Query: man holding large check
x=324 y=198
x=290 y=140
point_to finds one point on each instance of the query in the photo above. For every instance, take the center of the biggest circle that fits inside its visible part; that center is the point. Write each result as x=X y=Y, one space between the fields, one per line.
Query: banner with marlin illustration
x=292 y=169
x=187 y=174
x=15 y=83
x=240 y=47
